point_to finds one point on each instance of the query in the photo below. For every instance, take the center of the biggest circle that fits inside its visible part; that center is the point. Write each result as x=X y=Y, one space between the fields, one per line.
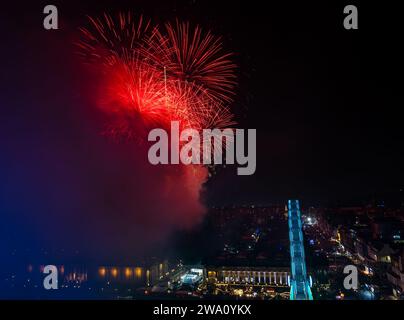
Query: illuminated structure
x=194 y=276
x=299 y=282
x=258 y=276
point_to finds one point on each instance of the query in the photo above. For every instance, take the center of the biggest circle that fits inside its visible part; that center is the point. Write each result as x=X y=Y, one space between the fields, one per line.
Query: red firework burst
x=109 y=37
x=153 y=77
x=192 y=56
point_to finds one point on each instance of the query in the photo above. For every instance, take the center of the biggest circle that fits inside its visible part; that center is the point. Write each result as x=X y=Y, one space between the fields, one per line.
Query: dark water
x=80 y=282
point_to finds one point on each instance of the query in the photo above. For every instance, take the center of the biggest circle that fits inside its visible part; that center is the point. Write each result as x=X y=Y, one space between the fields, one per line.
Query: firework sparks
x=192 y=56
x=155 y=76
x=108 y=38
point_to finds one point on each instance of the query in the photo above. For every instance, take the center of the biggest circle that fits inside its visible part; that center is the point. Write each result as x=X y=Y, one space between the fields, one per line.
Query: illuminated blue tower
x=299 y=282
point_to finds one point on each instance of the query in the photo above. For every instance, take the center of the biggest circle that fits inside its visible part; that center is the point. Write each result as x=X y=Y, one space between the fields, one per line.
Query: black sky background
x=326 y=103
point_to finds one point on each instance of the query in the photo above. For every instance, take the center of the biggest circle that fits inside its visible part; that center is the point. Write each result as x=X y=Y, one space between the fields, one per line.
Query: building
x=379 y=252
x=396 y=273
x=251 y=276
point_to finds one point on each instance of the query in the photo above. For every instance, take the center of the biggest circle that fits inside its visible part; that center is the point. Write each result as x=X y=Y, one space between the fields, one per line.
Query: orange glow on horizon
x=114 y=272
x=138 y=272
x=128 y=272
x=102 y=272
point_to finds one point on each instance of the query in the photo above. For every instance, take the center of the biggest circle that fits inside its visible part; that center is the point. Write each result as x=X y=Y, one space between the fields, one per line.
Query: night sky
x=326 y=103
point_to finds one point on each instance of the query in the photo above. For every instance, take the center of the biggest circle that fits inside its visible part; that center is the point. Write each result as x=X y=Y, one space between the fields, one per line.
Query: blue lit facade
x=299 y=282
